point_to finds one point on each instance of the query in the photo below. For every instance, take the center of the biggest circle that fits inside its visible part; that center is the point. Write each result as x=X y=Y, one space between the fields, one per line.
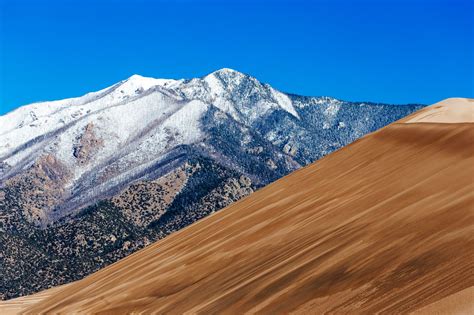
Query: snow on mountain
x=86 y=181
x=219 y=88
x=108 y=137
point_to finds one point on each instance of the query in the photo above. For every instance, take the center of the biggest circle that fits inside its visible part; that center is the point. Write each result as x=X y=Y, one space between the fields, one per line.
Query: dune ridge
x=451 y=110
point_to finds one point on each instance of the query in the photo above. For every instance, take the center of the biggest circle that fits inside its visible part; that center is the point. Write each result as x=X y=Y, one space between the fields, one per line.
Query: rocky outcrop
x=87 y=145
x=290 y=149
x=271 y=164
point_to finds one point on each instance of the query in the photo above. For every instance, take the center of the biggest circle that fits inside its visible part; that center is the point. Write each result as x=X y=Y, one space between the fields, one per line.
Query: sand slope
x=461 y=302
x=18 y=305
x=451 y=110
x=385 y=224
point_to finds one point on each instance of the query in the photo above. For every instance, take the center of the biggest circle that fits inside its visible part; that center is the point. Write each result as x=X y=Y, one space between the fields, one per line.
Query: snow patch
x=284 y=102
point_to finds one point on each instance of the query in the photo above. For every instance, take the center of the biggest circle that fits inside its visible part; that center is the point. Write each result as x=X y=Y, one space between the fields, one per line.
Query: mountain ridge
x=153 y=158
x=148 y=81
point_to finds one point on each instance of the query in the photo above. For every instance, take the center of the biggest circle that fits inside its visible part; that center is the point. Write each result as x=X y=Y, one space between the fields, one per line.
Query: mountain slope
x=382 y=225
x=86 y=181
x=106 y=139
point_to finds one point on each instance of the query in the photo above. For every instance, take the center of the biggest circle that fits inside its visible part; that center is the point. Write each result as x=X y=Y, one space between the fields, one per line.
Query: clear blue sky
x=395 y=51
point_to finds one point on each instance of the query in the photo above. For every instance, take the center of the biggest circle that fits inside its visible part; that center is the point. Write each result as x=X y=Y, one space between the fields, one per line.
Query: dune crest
x=451 y=110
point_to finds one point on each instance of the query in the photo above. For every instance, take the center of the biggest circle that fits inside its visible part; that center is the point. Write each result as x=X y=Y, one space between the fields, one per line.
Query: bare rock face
x=40 y=188
x=256 y=150
x=271 y=164
x=87 y=145
x=290 y=149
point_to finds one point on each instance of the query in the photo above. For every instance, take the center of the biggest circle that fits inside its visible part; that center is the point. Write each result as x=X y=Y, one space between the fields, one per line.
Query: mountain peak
x=137 y=81
x=227 y=73
x=135 y=77
x=226 y=70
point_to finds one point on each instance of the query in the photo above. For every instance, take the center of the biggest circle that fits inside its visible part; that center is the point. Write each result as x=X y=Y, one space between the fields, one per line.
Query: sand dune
x=385 y=224
x=457 y=303
x=18 y=305
x=451 y=110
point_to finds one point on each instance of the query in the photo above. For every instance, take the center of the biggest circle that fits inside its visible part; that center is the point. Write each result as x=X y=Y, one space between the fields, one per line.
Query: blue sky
x=394 y=51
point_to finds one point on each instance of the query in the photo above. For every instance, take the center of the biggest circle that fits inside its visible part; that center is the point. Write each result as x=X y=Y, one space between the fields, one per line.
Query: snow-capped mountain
x=108 y=138
x=94 y=178
x=138 y=101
